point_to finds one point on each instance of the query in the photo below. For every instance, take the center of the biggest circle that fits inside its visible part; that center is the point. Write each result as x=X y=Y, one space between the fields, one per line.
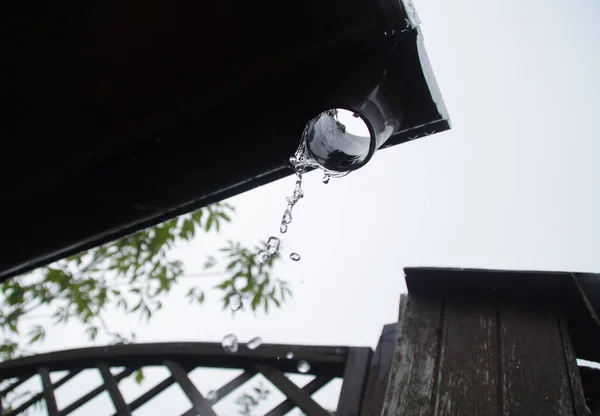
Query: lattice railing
x=326 y=363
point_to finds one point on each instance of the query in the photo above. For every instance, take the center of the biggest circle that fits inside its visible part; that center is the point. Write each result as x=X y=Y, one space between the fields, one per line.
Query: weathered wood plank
x=379 y=373
x=412 y=378
x=533 y=370
x=571 y=363
x=467 y=379
x=355 y=379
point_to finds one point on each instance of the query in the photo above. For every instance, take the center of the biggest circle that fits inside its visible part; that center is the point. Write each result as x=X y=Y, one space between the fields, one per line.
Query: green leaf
x=187 y=229
x=92 y=332
x=37 y=334
x=209 y=222
x=139 y=376
x=255 y=301
x=224 y=216
x=210 y=262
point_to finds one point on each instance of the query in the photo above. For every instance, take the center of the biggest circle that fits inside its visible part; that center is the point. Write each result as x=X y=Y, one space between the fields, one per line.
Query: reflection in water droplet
x=254 y=343
x=289 y=355
x=211 y=396
x=235 y=300
x=230 y=344
x=303 y=366
x=295 y=256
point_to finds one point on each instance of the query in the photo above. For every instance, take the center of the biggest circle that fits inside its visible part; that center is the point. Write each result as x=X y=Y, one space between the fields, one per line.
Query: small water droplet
x=326 y=178
x=356 y=115
x=289 y=355
x=254 y=343
x=230 y=344
x=262 y=257
x=235 y=300
x=303 y=366
x=293 y=160
x=295 y=256
x=283 y=228
x=287 y=218
x=211 y=396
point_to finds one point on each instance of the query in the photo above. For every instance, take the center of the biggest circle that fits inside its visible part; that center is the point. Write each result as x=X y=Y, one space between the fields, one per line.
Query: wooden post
x=475 y=343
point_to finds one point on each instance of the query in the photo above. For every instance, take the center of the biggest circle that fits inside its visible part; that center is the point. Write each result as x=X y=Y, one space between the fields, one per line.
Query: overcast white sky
x=514 y=185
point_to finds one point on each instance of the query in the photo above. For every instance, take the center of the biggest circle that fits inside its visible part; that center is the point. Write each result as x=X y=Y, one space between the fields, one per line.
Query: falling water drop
x=235 y=300
x=303 y=366
x=295 y=256
x=254 y=343
x=326 y=178
x=262 y=257
x=230 y=344
x=287 y=217
x=289 y=355
x=211 y=396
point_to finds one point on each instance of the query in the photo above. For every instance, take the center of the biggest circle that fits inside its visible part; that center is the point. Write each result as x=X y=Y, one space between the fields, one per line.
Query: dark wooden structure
x=467 y=342
x=120 y=116
x=473 y=342
x=326 y=363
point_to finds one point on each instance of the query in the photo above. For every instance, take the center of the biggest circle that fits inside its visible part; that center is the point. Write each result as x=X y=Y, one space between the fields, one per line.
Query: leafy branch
x=132 y=274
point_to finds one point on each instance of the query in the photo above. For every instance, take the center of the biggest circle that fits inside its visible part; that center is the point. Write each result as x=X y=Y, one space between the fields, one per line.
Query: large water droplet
x=211 y=396
x=254 y=343
x=230 y=344
x=273 y=242
x=289 y=355
x=295 y=256
x=303 y=366
x=235 y=300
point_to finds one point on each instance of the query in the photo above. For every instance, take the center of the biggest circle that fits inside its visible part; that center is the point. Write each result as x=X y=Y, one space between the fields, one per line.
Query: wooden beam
x=48 y=389
x=299 y=397
x=200 y=404
x=325 y=360
x=112 y=386
x=150 y=394
x=89 y=396
x=288 y=405
x=379 y=373
x=355 y=379
x=414 y=370
x=38 y=396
